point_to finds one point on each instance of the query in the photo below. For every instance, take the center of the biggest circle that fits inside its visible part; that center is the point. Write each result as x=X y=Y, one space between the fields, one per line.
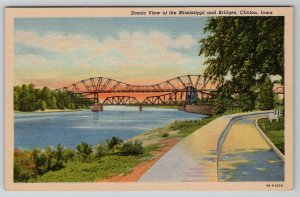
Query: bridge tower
x=191 y=95
x=96 y=97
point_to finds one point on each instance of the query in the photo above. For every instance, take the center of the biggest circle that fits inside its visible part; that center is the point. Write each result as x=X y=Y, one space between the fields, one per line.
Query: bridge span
x=178 y=91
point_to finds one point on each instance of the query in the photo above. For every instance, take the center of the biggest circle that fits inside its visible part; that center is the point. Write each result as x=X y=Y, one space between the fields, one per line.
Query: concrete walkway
x=246 y=156
x=193 y=159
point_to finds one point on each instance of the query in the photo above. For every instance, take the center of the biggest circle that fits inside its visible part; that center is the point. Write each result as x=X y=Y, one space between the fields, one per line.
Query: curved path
x=194 y=158
x=245 y=156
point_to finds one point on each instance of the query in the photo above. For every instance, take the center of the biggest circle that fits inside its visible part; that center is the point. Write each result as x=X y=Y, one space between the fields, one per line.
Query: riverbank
x=164 y=138
x=52 y=110
x=114 y=167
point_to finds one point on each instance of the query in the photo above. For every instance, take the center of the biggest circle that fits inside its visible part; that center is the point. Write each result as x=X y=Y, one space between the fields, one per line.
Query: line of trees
x=27 y=98
x=29 y=164
x=243 y=53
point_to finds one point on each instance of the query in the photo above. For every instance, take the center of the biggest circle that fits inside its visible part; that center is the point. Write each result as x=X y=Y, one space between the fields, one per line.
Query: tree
x=40 y=161
x=100 y=150
x=243 y=52
x=53 y=103
x=43 y=105
x=84 y=150
x=132 y=148
x=59 y=152
x=114 y=143
x=24 y=165
x=266 y=95
x=69 y=155
x=32 y=105
x=17 y=91
x=219 y=106
x=28 y=98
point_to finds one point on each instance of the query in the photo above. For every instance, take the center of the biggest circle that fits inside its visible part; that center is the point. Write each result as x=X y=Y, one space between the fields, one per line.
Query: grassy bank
x=177 y=129
x=274 y=131
x=113 y=163
x=108 y=166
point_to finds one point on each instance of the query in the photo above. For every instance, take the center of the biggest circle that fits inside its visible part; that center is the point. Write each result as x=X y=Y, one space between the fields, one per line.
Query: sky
x=57 y=52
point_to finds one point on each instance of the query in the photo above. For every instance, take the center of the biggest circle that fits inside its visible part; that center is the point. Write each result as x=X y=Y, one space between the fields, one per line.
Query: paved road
x=193 y=159
x=245 y=156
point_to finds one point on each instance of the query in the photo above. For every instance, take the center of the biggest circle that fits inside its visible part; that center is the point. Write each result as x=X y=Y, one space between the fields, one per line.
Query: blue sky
x=60 y=51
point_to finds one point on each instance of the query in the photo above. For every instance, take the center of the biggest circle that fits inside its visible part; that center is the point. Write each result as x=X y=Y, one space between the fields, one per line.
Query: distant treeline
x=28 y=98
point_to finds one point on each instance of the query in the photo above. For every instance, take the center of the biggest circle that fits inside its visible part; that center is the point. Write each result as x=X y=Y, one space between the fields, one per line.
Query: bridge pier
x=140 y=108
x=97 y=107
x=181 y=107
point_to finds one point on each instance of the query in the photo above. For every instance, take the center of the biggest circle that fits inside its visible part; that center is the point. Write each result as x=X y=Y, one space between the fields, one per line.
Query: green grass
x=107 y=166
x=113 y=164
x=274 y=131
x=188 y=126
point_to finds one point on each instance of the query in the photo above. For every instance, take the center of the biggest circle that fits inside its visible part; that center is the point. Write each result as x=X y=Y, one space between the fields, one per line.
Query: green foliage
x=28 y=98
x=29 y=164
x=274 y=131
x=248 y=100
x=266 y=96
x=24 y=166
x=40 y=160
x=114 y=143
x=165 y=135
x=278 y=102
x=110 y=165
x=54 y=161
x=100 y=150
x=84 y=150
x=59 y=152
x=242 y=52
x=43 y=105
x=219 y=106
x=68 y=165
x=37 y=165
x=187 y=127
x=69 y=155
x=132 y=148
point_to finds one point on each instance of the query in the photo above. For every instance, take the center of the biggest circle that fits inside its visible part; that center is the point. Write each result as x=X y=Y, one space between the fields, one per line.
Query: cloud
x=137 y=57
x=126 y=42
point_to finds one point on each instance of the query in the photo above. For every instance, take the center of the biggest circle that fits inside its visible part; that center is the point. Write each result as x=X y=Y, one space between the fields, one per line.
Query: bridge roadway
x=194 y=159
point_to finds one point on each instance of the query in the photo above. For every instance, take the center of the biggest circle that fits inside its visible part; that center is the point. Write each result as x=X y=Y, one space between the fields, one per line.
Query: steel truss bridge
x=176 y=91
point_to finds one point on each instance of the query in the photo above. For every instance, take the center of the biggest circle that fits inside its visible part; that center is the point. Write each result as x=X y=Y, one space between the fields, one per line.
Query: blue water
x=71 y=128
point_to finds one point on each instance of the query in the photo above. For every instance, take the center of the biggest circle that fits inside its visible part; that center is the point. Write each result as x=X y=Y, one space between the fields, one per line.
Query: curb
x=268 y=141
x=231 y=121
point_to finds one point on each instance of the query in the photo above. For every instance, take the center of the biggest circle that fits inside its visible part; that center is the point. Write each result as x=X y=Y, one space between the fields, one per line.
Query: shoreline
x=162 y=138
x=156 y=137
x=74 y=110
x=51 y=111
x=140 y=169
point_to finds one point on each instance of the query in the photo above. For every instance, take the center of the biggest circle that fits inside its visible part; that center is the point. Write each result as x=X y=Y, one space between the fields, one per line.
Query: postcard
x=148 y=98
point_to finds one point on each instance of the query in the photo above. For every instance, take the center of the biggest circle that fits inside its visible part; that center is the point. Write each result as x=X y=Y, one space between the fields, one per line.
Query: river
x=71 y=128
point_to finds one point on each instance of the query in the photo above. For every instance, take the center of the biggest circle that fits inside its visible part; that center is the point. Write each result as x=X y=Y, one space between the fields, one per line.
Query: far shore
x=53 y=110
x=73 y=110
